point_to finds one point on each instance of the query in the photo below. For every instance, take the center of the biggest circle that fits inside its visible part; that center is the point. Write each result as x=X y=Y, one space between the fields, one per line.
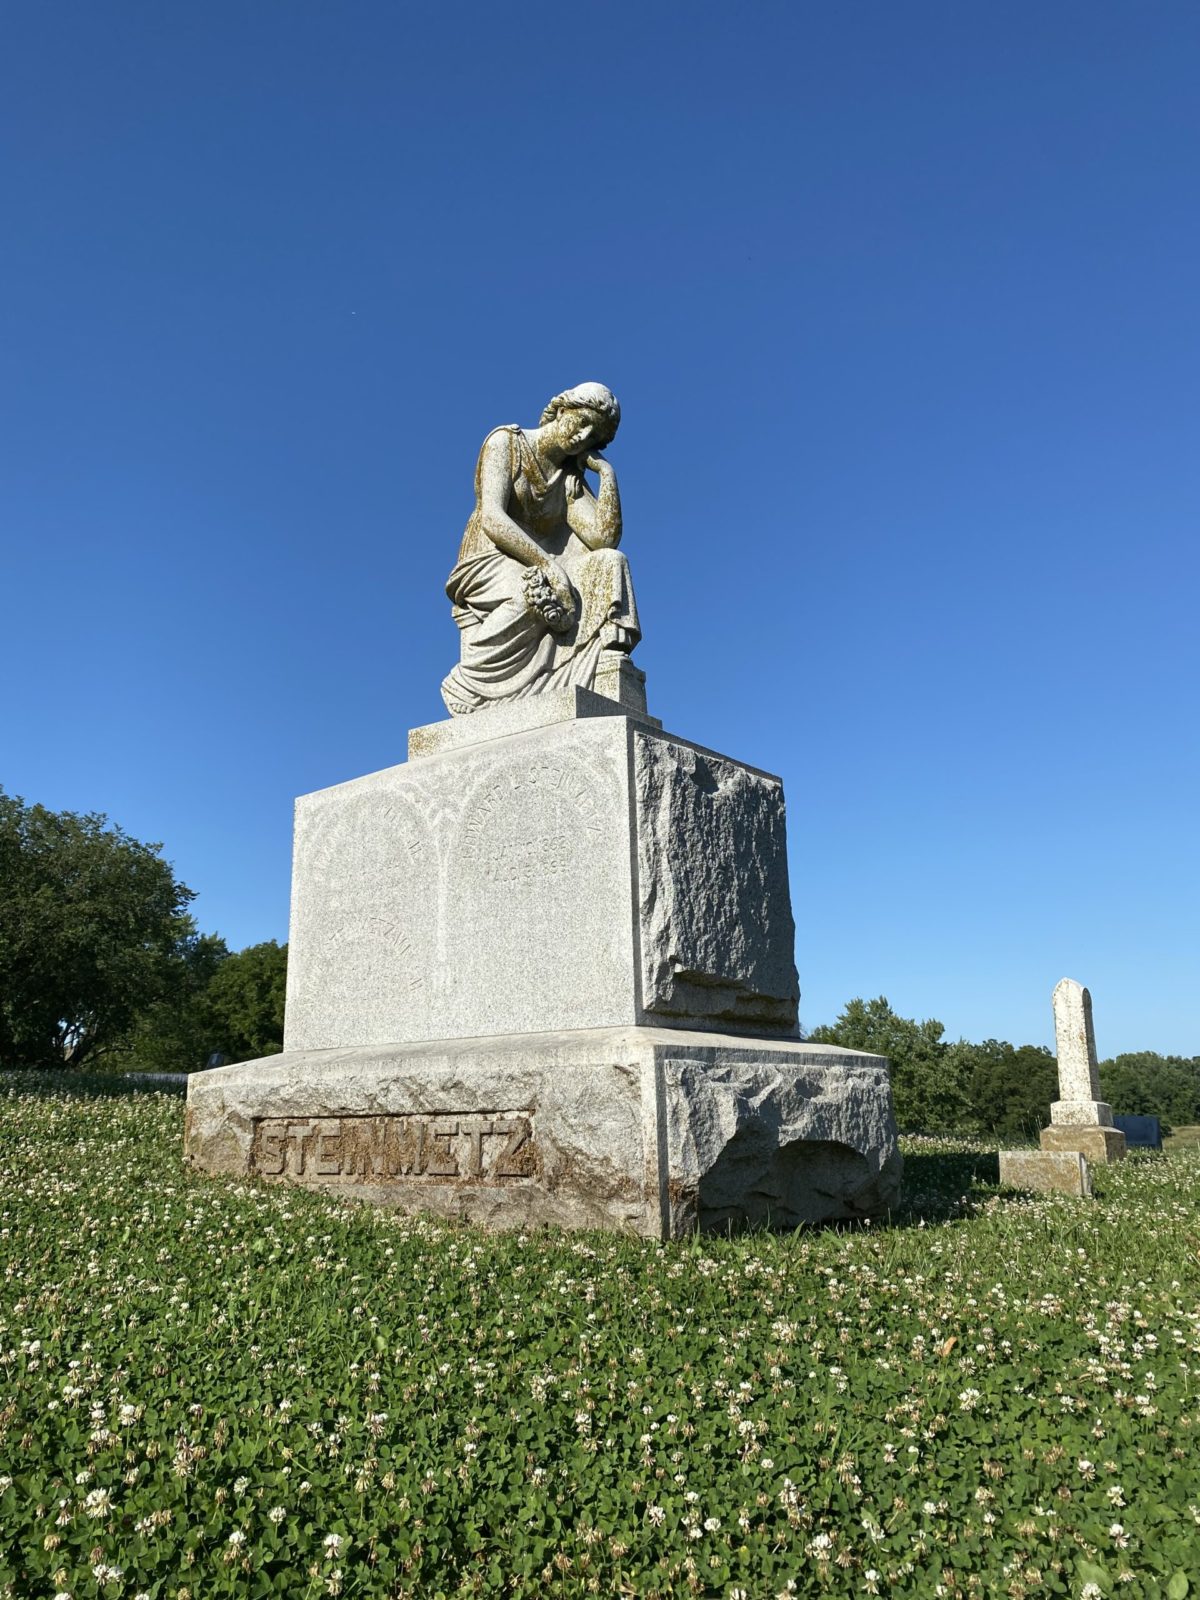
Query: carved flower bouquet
x=541 y=600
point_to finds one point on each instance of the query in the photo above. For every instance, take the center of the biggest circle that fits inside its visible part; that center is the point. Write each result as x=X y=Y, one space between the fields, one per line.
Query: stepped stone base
x=657 y=1131
x=1099 y=1144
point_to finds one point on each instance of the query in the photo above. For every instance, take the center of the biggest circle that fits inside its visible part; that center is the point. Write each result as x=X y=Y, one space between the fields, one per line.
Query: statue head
x=589 y=415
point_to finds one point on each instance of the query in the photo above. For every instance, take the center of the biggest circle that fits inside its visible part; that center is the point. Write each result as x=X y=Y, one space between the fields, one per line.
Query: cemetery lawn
x=215 y=1388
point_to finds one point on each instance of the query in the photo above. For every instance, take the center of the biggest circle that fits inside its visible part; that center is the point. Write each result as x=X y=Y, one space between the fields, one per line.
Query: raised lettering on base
x=475 y=1148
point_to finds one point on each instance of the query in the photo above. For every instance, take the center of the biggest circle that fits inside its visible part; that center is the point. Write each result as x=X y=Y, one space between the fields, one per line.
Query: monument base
x=1100 y=1145
x=656 y=1131
x=1046 y=1171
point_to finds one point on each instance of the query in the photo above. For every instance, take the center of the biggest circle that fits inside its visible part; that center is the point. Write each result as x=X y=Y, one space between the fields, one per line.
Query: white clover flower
x=656 y=1515
x=237 y=1538
x=1091 y=1591
x=97 y=1503
x=276 y=1515
x=240 y=1485
x=712 y=1524
x=333 y=1545
x=103 y=1573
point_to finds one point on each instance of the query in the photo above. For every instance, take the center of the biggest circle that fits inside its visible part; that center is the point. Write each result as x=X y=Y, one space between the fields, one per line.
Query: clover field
x=211 y=1388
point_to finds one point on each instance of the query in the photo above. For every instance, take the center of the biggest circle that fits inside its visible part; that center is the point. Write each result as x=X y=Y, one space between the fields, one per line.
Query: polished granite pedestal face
x=543 y=972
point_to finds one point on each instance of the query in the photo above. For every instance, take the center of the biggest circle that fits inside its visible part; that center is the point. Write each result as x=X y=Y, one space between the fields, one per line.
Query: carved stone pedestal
x=1099 y=1144
x=543 y=972
x=653 y=1130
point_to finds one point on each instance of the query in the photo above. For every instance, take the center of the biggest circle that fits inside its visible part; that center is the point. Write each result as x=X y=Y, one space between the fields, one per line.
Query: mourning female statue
x=540 y=589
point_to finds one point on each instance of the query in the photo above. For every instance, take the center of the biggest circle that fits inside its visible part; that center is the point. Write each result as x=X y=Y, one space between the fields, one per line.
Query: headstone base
x=656 y=1131
x=1045 y=1171
x=1100 y=1145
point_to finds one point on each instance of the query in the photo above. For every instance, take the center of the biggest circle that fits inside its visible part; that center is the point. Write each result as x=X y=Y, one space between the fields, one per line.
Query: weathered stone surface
x=1098 y=1144
x=716 y=929
x=1058 y=1172
x=1079 y=1099
x=618 y=679
x=538 y=711
x=1081 y=1113
x=1079 y=1119
x=652 y=1130
x=588 y=873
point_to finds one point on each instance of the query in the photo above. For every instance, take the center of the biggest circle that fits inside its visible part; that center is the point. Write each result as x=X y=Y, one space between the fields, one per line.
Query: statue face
x=581 y=431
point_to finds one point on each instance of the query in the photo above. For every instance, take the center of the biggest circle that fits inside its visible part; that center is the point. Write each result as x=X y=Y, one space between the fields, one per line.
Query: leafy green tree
x=218 y=1001
x=1009 y=1089
x=245 y=1001
x=1143 y=1083
x=927 y=1085
x=91 y=922
x=177 y=1033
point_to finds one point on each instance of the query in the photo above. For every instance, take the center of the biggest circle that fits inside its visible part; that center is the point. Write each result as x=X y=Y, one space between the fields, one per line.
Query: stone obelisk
x=1079 y=1119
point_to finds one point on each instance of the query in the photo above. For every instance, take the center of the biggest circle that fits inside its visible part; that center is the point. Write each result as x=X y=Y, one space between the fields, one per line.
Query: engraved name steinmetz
x=445 y=1147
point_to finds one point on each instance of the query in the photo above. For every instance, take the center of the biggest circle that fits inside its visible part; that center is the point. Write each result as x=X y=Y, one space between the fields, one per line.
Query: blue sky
x=900 y=303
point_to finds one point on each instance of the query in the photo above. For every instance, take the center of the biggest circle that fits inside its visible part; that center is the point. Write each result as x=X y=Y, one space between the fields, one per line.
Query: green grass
x=232 y=1389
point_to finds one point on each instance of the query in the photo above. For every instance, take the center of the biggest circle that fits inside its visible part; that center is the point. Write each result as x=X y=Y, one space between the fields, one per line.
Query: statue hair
x=585 y=397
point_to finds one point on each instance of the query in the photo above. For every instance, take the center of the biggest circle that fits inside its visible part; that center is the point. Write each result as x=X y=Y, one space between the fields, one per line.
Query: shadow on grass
x=67 y=1084
x=941 y=1185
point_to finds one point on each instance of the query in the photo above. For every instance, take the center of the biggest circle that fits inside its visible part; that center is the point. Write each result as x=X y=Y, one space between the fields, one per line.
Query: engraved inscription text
x=485 y=1148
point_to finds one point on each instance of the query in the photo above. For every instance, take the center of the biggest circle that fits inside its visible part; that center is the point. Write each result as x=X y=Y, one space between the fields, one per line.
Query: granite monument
x=542 y=971
x=1079 y=1119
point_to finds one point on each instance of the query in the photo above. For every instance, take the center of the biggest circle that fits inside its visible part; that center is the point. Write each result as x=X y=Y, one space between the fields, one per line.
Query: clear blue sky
x=901 y=304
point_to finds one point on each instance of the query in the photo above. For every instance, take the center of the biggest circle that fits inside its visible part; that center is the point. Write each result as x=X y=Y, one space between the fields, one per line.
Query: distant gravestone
x=1141 y=1133
x=1046 y=1171
x=1079 y=1119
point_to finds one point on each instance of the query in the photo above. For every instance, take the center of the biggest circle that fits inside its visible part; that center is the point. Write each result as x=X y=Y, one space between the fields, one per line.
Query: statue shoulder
x=505 y=439
x=509 y=432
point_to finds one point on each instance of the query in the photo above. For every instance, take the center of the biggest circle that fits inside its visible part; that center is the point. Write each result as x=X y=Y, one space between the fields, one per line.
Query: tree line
x=101 y=962
x=996 y=1088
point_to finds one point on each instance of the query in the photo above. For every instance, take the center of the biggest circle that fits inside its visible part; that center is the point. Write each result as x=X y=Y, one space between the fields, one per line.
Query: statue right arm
x=495 y=486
